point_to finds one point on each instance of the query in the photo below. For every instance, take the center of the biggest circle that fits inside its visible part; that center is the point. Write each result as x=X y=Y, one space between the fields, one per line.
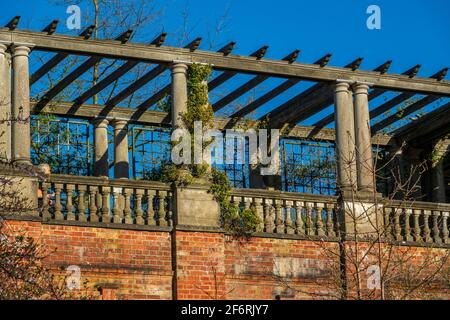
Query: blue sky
x=416 y=31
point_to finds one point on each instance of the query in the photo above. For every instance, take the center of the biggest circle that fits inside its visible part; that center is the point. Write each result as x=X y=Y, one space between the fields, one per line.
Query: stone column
x=101 y=147
x=21 y=104
x=5 y=103
x=345 y=136
x=179 y=93
x=363 y=140
x=121 y=163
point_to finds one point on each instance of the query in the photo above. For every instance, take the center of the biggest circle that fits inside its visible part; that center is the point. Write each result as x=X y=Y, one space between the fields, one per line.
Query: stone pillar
x=5 y=103
x=345 y=136
x=101 y=148
x=363 y=140
x=179 y=93
x=21 y=104
x=121 y=163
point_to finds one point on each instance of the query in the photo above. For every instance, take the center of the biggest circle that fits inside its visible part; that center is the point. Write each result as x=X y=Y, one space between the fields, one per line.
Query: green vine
x=239 y=222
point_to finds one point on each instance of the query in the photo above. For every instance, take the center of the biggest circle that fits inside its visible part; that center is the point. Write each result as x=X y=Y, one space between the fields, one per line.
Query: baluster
x=69 y=207
x=397 y=227
x=58 y=206
x=279 y=224
x=407 y=224
x=290 y=226
x=169 y=209
x=162 y=209
x=151 y=218
x=117 y=210
x=388 y=222
x=45 y=213
x=99 y=201
x=436 y=235
x=337 y=222
x=416 y=225
x=445 y=238
x=299 y=226
x=81 y=207
x=320 y=229
x=93 y=217
x=426 y=226
x=308 y=212
x=138 y=207
x=329 y=222
x=127 y=209
x=105 y=204
x=247 y=202
x=269 y=221
x=259 y=212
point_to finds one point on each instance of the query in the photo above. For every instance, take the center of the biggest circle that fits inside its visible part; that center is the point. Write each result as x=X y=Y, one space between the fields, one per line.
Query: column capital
x=119 y=123
x=179 y=67
x=100 y=122
x=21 y=49
x=342 y=86
x=361 y=88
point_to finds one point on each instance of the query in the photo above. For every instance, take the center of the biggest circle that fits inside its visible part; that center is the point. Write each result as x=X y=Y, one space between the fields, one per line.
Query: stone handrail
x=291 y=213
x=417 y=221
x=94 y=199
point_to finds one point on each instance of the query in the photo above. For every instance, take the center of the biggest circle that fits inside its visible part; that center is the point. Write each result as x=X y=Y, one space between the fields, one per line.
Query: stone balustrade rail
x=93 y=199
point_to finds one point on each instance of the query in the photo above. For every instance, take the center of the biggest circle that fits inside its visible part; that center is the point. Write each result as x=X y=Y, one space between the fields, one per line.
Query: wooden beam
x=225 y=76
x=146 y=78
x=407 y=110
x=249 y=85
x=228 y=48
x=433 y=125
x=127 y=66
x=291 y=112
x=276 y=68
x=275 y=92
x=159 y=40
x=57 y=58
x=90 y=112
x=102 y=84
x=75 y=74
x=12 y=24
x=374 y=94
x=51 y=27
x=166 y=90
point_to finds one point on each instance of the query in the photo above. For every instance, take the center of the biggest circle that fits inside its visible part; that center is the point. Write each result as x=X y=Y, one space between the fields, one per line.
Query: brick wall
x=138 y=264
x=132 y=264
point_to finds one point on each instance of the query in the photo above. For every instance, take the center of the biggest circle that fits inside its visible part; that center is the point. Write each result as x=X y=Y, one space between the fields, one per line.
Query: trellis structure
x=358 y=125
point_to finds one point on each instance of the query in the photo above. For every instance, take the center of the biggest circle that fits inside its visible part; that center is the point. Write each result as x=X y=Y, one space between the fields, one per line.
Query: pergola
x=332 y=86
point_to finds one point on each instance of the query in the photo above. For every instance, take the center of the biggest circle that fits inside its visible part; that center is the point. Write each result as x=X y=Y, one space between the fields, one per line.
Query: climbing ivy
x=239 y=222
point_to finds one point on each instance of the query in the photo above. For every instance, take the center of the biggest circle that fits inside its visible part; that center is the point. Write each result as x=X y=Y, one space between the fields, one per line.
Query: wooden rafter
x=376 y=93
x=146 y=78
x=75 y=74
x=401 y=114
x=166 y=90
x=57 y=58
x=290 y=112
x=277 y=68
x=113 y=76
x=431 y=126
x=225 y=76
x=249 y=85
x=275 y=92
